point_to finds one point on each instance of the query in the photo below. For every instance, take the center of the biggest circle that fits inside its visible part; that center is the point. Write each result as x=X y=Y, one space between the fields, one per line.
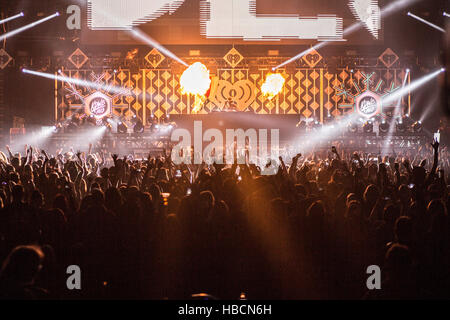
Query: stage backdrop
x=313 y=92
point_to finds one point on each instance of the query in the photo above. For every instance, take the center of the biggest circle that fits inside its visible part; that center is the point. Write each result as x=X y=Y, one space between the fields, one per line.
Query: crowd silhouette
x=150 y=229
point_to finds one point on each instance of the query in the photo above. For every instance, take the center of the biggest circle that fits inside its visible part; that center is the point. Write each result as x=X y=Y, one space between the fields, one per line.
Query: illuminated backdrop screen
x=239 y=21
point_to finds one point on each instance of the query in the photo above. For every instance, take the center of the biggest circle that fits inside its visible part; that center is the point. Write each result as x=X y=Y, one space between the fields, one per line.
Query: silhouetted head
x=37 y=199
x=371 y=194
x=17 y=193
x=403 y=230
x=316 y=214
x=398 y=261
x=390 y=213
x=22 y=265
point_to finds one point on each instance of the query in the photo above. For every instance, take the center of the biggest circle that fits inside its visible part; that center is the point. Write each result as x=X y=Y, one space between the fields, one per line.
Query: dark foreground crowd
x=152 y=230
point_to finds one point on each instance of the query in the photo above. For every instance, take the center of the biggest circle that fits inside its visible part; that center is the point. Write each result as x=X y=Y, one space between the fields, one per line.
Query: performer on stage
x=230 y=105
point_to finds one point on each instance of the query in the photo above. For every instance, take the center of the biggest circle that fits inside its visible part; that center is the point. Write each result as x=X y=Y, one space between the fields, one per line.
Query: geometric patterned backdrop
x=311 y=92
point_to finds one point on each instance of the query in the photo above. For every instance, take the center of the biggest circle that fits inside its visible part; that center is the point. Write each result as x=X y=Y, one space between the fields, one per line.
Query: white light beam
x=12 y=18
x=387 y=10
x=411 y=87
x=83 y=83
x=138 y=34
x=28 y=26
x=426 y=22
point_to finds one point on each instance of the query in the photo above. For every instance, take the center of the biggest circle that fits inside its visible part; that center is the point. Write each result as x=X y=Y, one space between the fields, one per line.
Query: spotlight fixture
x=138 y=127
x=368 y=127
x=417 y=127
x=57 y=128
x=91 y=120
x=407 y=120
x=384 y=126
x=301 y=125
x=122 y=127
x=316 y=125
x=352 y=127
x=400 y=126
x=328 y=119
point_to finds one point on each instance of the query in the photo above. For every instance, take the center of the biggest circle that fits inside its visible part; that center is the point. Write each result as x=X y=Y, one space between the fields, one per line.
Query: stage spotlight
x=352 y=127
x=407 y=120
x=417 y=127
x=400 y=126
x=57 y=128
x=138 y=127
x=301 y=125
x=91 y=121
x=384 y=127
x=368 y=127
x=316 y=125
x=122 y=127
x=328 y=119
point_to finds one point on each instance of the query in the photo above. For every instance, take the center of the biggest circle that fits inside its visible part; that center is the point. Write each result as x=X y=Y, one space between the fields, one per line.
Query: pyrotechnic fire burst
x=273 y=85
x=195 y=80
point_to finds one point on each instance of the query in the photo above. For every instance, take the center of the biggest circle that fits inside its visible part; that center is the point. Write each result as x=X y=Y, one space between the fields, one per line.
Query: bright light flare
x=445 y=14
x=28 y=26
x=12 y=18
x=79 y=82
x=273 y=85
x=425 y=21
x=195 y=80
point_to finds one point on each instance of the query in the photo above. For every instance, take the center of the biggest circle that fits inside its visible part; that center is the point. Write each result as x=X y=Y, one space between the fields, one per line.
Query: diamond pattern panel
x=310 y=92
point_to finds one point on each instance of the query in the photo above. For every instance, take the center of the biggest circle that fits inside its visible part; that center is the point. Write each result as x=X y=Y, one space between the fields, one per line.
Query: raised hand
x=435 y=146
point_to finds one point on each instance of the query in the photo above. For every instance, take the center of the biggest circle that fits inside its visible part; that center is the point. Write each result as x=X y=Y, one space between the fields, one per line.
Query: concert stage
x=303 y=139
